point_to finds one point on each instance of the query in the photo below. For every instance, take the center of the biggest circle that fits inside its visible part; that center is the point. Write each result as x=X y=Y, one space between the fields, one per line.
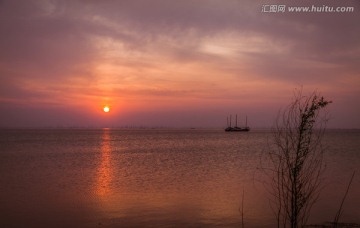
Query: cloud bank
x=172 y=63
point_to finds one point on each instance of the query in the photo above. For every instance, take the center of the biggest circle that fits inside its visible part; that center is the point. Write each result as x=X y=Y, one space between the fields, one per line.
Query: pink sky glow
x=161 y=63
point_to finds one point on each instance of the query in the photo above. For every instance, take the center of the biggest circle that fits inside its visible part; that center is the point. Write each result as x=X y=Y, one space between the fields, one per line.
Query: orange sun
x=106 y=109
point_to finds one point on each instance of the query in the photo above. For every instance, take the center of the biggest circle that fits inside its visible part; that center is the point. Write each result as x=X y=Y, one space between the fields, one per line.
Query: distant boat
x=236 y=128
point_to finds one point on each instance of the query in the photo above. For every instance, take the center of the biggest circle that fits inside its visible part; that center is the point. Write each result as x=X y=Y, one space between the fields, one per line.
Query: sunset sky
x=170 y=63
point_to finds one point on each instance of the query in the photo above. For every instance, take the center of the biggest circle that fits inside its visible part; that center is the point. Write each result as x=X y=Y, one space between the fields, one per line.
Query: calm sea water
x=155 y=178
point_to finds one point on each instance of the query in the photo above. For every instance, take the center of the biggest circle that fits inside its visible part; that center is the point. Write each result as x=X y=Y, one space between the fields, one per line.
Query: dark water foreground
x=154 y=178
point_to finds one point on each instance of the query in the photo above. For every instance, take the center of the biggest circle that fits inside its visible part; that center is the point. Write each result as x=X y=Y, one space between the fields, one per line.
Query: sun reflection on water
x=104 y=172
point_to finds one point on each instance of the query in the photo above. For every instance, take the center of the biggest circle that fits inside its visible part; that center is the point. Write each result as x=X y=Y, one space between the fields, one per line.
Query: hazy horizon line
x=143 y=128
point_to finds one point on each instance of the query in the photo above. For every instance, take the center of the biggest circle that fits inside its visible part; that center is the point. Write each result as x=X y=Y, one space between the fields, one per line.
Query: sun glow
x=106 y=109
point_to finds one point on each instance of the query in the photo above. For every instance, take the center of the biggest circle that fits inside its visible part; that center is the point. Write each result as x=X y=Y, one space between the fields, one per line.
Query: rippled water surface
x=154 y=178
